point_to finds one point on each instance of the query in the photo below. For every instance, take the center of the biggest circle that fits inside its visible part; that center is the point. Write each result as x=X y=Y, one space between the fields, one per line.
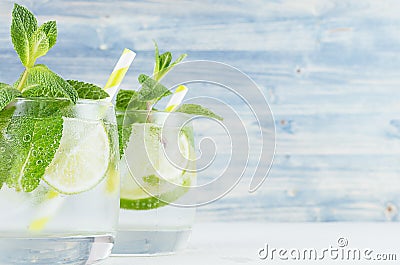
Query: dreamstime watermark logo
x=339 y=252
x=241 y=145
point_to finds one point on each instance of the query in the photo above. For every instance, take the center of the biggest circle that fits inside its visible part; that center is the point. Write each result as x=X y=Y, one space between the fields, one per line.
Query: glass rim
x=163 y=112
x=79 y=101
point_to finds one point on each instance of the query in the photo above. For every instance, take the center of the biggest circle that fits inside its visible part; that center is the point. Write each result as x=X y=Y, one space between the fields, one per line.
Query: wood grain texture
x=329 y=69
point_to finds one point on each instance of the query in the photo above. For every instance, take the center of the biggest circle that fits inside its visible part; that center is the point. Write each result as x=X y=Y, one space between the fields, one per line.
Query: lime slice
x=163 y=161
x=82 y=158
x=153 y=202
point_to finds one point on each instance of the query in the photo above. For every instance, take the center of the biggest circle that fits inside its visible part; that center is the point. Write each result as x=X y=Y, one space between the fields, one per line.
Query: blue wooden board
x=330 y=70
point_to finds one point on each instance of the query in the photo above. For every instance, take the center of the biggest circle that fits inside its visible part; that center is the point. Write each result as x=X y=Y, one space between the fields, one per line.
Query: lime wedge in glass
x=82 y=158
x=161 y=164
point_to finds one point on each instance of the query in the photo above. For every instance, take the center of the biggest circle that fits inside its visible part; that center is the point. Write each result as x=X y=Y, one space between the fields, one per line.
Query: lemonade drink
x=59 y=177
x=157 y=170
x=59 y=181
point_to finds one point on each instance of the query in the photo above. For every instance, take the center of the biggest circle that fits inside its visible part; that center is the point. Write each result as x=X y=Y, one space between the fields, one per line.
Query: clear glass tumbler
x=157 y=171
x=59 y=181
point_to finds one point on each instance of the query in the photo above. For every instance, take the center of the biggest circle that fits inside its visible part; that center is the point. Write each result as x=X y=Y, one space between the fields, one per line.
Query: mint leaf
x=50 y=29
x=123 y=98
x=164 y=71
x=6 y=154
x=157 y=60
x=163 y=63
x=38 y=46
x=88 y=91
x=45 y=108
x=129 y=98
x=126 y=99
x=7 y=94
x=180 y=59
x=42 y=82
x=165 y=60
x=196 y=109
x=34 y=142
x=124 y=134
x=151 y=89
x=23 y=25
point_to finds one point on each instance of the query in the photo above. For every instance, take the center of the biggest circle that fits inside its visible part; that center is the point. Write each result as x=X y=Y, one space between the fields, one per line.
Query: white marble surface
x=239 y=243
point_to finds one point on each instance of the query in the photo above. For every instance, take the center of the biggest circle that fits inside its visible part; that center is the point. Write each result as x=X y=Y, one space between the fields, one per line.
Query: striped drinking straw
x=120 y=69
x=176 y=98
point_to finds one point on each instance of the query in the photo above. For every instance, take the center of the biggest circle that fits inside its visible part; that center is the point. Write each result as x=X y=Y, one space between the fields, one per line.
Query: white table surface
x=239 y=243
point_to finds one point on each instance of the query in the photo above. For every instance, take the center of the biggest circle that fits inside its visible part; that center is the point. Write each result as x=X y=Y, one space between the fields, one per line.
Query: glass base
x=45 y=251
x=149 y=243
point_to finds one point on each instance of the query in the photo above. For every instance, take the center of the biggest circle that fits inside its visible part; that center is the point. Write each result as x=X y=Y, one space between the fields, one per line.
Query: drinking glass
x=59 y=181
x=157 y=171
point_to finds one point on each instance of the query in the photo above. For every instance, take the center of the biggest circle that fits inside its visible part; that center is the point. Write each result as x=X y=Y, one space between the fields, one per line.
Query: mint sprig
x=87 y=90
x=7 y=94
x=148 y=95
x=195 y=109
x=42 y=82
x=163 y=63
x=151 y=90
x=32 y=42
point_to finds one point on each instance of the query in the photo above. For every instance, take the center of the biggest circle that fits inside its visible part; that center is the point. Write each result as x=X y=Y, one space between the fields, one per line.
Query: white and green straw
x=118 y=74
x=176 y=98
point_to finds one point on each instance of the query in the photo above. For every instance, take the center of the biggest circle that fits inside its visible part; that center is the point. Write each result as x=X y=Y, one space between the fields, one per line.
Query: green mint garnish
x=42 y=82
x=88 y=91
x=50 y=29
x=126 y=99
x=23 y=26
x=30 y=136
x=196 y=109
x=151 y=89
x=124 y=133
x=5 y=149
x=163 y=63
x=151 y=92
x=7 y=94
x=34 y=143
x=32 y=42
x=129 y=98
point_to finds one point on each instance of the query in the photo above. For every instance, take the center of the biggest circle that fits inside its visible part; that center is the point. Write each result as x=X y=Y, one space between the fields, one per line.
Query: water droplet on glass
x=27 y=138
